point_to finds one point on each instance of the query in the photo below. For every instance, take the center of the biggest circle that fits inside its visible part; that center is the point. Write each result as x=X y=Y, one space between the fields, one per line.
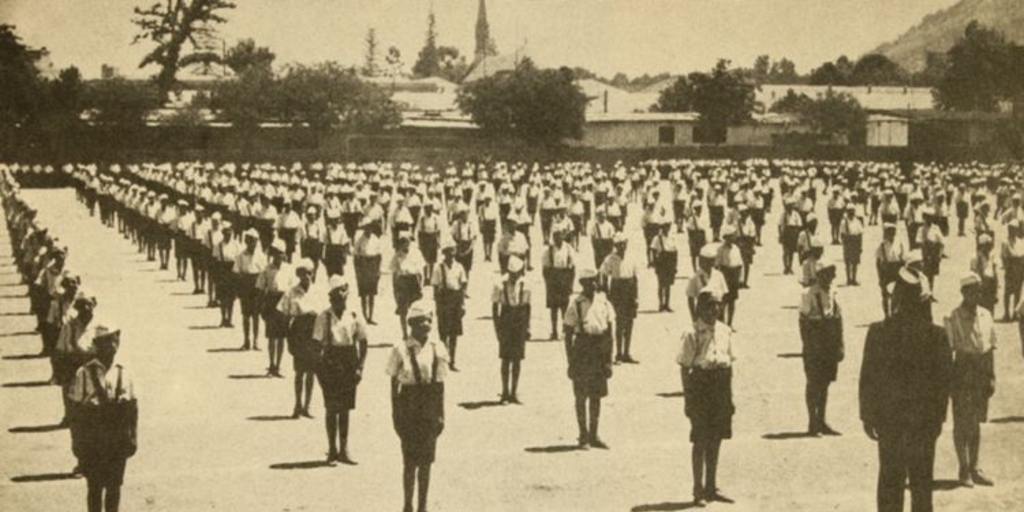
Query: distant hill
x=939 y=31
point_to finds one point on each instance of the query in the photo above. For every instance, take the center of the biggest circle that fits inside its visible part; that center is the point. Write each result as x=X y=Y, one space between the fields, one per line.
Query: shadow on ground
x=664 y=507
x=472 y=406
x=557 y=448
x=782 y=436
x=28 y=384
x=44 y=477
x=36 y=429
x=309 y=464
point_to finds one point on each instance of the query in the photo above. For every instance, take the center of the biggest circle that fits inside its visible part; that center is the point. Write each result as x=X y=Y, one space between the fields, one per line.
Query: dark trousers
x=902 y=455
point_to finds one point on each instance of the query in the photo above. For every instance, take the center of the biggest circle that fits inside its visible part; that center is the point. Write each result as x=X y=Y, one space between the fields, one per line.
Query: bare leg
x=331 y=422
x=424 y=483
x=505 y=363
x=309 y=393
x=697 y=465
x=408 y=484
x=516 y=366
x=581 y=418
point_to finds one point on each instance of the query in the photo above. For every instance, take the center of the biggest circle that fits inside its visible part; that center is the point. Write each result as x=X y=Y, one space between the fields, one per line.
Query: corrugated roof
x=643 y=117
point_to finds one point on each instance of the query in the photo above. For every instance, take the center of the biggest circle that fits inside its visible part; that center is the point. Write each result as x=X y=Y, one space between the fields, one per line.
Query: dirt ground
x=216 y=435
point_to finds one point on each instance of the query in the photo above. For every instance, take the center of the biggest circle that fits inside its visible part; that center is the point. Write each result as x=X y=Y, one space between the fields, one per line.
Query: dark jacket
x=905 y=376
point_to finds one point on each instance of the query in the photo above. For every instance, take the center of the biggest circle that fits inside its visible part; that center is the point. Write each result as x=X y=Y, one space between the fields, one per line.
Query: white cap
x=709 y=251
x=969 y=279
x=419 y=309
x=587 y=273
x=304 y=264
x=515 y=264
x=278 y=245
x=104 y=330
x=337 y=284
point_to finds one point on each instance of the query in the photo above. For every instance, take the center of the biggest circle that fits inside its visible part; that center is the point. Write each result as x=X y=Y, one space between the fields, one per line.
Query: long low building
x=665 y=129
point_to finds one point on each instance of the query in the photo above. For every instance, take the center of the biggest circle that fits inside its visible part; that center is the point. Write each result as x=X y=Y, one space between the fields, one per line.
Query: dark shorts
x=709 y=404
x=105 y=470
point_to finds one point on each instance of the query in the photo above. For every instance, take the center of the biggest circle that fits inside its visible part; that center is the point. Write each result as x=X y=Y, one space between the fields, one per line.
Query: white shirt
x=341 y=331
x=973 y=334
x=593 y=316
x=707 y=346
x=84 y=390
x=400 y=363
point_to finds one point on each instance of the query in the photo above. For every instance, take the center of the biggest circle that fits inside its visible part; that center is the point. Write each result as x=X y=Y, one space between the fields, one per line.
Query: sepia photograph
x=763 y=255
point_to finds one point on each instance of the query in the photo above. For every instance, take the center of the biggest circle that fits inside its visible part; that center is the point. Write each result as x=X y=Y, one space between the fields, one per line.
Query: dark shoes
x=583 y=442
x=596 y=442
x=979 y=478
x=828 y=431
x=965 y=479
x=716 y=495
x=345 y=459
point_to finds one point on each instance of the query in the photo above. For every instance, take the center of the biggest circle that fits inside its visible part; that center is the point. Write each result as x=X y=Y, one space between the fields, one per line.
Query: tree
x=245 y=56
x=783 y=71
x=183 y=31
x=394 y=62
x=676 y=98
x=246 y=101
x=762 y=66
x=371 y=64
x=877 y=69
x=327 y=96
x=64 y=100
x=980 y=71
x=792 y=103
x=121 y=103
x=20 y=83
x=537 y=105
x=722 y=98
x=837 y=117
x=936 y=65
x=428 y=61
x=453 y=67
x=620 y=80
x=829 y=74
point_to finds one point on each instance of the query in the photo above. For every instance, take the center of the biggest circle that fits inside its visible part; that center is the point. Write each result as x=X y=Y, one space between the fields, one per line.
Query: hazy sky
x=607 y=36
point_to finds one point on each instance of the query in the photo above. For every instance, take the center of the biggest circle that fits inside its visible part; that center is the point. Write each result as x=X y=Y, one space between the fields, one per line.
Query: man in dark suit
x=904 y=388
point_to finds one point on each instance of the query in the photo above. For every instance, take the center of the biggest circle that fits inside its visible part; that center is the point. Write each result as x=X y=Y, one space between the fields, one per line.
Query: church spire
x=483 y=32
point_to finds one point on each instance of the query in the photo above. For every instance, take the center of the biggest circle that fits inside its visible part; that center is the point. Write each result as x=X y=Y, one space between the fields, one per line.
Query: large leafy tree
x=792 y=103
x=120 y=103
x=536 y=105
x=21 y=87
x=65 y=100
x=452 y=66
x=327 y=96
x=837 y=117
x=676 y=98
x=723 y=97
x=980 y=71
x=246 y=101
x=833 y=73
x=183 y=32
x=877 y=69
x=246 y=56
